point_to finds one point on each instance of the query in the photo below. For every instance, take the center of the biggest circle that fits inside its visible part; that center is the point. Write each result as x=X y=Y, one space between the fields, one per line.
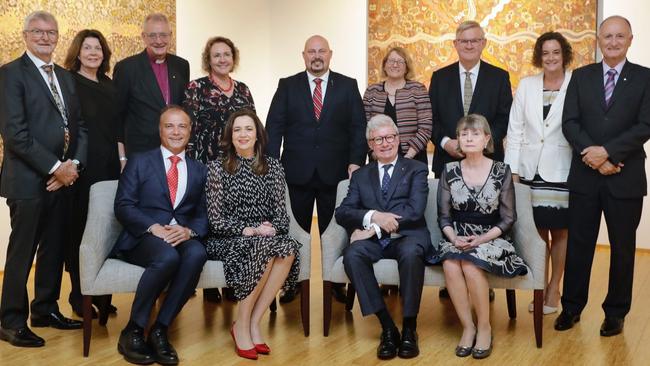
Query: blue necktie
x=385 y=240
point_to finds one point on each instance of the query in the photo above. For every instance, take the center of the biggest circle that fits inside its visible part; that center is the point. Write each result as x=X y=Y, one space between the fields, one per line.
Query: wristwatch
x=193 y=234
x=78 y=164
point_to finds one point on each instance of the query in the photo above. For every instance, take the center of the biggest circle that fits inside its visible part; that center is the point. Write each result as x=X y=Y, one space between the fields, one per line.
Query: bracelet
x=123 y=158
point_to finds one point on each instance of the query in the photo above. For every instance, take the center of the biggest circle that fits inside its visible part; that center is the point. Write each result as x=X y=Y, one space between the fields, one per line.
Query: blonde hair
x=468 y=24
x=407 y=60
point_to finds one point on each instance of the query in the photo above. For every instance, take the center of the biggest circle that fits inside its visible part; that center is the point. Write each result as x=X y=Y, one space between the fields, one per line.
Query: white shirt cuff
x=444 y=141
x=367 y=224
x=55 y=167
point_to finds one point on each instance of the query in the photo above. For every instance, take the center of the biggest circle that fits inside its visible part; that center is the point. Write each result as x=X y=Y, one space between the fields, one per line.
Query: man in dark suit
x=44 y=146
x=384 y=213
x=160 y=201
x=468 y=86
x=606 y=120
x=145 y=84
x=319 y=115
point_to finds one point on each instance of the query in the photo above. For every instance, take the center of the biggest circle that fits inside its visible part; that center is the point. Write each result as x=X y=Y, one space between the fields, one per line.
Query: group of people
x=201 y=178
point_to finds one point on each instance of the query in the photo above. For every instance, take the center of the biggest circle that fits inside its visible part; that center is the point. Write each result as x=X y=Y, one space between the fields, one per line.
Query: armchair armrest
x=528 y=244
x=303 y=237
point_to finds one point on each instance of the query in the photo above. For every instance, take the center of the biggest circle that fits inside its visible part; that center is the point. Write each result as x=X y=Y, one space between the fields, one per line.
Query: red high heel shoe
x=251 y=354
x=262 y=348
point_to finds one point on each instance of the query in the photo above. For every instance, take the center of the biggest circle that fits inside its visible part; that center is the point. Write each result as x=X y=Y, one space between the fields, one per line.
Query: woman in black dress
x=249 y=227
x=88 y=59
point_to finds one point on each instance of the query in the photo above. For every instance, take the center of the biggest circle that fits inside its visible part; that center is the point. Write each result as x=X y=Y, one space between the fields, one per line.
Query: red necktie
x=318 y=98
x=172 y=178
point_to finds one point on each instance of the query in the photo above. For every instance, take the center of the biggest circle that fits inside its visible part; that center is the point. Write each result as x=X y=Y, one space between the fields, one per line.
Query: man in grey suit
x=384 y=213
x=44 y=147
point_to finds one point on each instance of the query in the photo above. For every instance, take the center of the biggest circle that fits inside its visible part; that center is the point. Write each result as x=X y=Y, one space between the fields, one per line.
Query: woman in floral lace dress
x=476 y=209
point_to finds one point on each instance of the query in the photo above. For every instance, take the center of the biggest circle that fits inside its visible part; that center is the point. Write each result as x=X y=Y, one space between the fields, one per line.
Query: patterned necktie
x=467 y=92
x=609 y=86
x=172 y=178
x=59 y=105
x=318 y=98
x=385 y=240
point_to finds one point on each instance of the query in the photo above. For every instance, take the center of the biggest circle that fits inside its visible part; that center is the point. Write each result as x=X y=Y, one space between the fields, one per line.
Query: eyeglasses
x=39 y=33
x=163 y=36
x=473 y=42
x=393 y=61
x=380 y=139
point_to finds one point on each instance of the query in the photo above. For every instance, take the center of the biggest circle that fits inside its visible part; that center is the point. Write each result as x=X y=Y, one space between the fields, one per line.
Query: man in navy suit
x=318 y=115
x=161 y=203
x=384 y=212
x=606 y=120
x=468 y=86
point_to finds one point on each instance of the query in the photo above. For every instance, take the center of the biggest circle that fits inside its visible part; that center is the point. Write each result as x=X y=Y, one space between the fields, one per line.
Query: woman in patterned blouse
x=249 y=227
x=210 y=100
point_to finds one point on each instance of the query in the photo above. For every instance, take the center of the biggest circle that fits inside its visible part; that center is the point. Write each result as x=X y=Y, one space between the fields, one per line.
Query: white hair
x=154 y=17
x=380 y=120
x=42 y=15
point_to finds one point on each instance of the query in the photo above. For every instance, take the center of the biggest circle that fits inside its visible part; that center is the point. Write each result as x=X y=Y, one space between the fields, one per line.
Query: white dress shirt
x=323 y=84
x=367 y=218
x=182 y=175
x=618 y=69
x=473 y=75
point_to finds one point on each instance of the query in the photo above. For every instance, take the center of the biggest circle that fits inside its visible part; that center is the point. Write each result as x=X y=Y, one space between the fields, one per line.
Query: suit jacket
x=621 y=129
x=142 y=198
x=327 y=145
x=535 y=144
x=492 y=99
x=140 y=100
x=33 y=129
x=407 y=196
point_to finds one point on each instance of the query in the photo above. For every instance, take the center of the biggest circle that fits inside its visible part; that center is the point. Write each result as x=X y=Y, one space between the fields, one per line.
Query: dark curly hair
x=565 y=46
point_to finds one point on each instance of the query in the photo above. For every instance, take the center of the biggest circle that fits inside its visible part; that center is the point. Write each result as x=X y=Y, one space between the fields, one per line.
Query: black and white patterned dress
x=240 y=200
x=474 y=211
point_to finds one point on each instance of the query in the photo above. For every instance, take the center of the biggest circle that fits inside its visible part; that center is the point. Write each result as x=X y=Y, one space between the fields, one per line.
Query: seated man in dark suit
x=161 y=203
x=384 y=212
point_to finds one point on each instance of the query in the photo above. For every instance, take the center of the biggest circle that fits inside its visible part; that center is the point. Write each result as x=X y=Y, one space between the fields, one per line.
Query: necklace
x=215 y=81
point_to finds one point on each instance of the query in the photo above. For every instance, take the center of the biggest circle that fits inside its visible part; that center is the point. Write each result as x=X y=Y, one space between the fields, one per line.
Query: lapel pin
x=624 y=79
x=173 y=76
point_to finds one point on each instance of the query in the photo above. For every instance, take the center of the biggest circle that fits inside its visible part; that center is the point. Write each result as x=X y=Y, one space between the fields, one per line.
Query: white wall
x=270 y=35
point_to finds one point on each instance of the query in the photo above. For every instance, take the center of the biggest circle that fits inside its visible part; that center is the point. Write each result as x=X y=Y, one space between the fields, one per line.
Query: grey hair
x=468 y=24
x=380 y=120
x=42 y=15
x=154 y=17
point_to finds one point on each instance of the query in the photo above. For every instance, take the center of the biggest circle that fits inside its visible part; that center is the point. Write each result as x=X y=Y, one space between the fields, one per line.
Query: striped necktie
x=318 y=98
x=609 y=86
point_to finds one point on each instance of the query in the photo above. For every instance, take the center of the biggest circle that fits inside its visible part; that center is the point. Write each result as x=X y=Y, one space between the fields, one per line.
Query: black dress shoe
x=21 y=337
x=388 y=344
x=55 y=320
x=409 y=347
x=161 y=349
x=288 y=295
x=212 y=295
x=566 y=320
x=611 y=326
x=133 y=347
x=338 y=291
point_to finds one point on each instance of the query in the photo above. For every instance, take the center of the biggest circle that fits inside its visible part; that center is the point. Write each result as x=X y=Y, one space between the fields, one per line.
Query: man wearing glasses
x=44 y=147
x=464 y=87
x=146 y=83
x=384 y=214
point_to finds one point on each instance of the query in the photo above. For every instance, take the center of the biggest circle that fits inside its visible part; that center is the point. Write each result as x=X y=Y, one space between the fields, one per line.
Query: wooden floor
x=200 y=333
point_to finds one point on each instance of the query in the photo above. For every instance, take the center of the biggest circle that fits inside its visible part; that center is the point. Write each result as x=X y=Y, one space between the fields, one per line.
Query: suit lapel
x=556 y=107
x=161 y=173
x=305 y=92
x=455 y=90
x=538 y=98
x=481 y=80
x=598 y=84
x=188 y=167
x=174 y=79
x=398 y=173
x=621 y=84
x=35 y=74
x=66 y=89
x=375 y=183
x=149 y=79
x=329 y=96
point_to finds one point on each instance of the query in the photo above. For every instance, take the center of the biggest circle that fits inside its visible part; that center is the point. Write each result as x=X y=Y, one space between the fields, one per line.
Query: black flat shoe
x=409 y=347
x=21 y=337
x=212 y=295
x=133 y=347
x=55 y=320
x=483 y=353
x=388 y=344
x=162 y=351
x=566 y=320
x=443 y=293
x=288 y=296
x=611 y=326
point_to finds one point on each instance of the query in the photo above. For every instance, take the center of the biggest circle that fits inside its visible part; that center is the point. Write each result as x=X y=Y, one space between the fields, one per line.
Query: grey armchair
x=527 y=242
x=101 y=275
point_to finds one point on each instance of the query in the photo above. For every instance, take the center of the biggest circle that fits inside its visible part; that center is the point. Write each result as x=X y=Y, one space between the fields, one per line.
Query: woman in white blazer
x=538 y=153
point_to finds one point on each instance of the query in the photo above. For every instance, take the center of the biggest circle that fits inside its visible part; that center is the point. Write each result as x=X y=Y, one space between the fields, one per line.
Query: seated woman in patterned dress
x=249 y=227
x=476 y=209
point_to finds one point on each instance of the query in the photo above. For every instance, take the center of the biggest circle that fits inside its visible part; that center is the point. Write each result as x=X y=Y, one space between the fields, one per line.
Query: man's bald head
x=317 y=55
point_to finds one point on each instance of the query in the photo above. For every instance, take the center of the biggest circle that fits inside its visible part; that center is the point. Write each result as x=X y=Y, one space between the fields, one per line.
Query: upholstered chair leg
x=304 y=306
x=538 y=314
x=512 y=303
x=327 y=307
x=349 y=302
x=88 y=322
